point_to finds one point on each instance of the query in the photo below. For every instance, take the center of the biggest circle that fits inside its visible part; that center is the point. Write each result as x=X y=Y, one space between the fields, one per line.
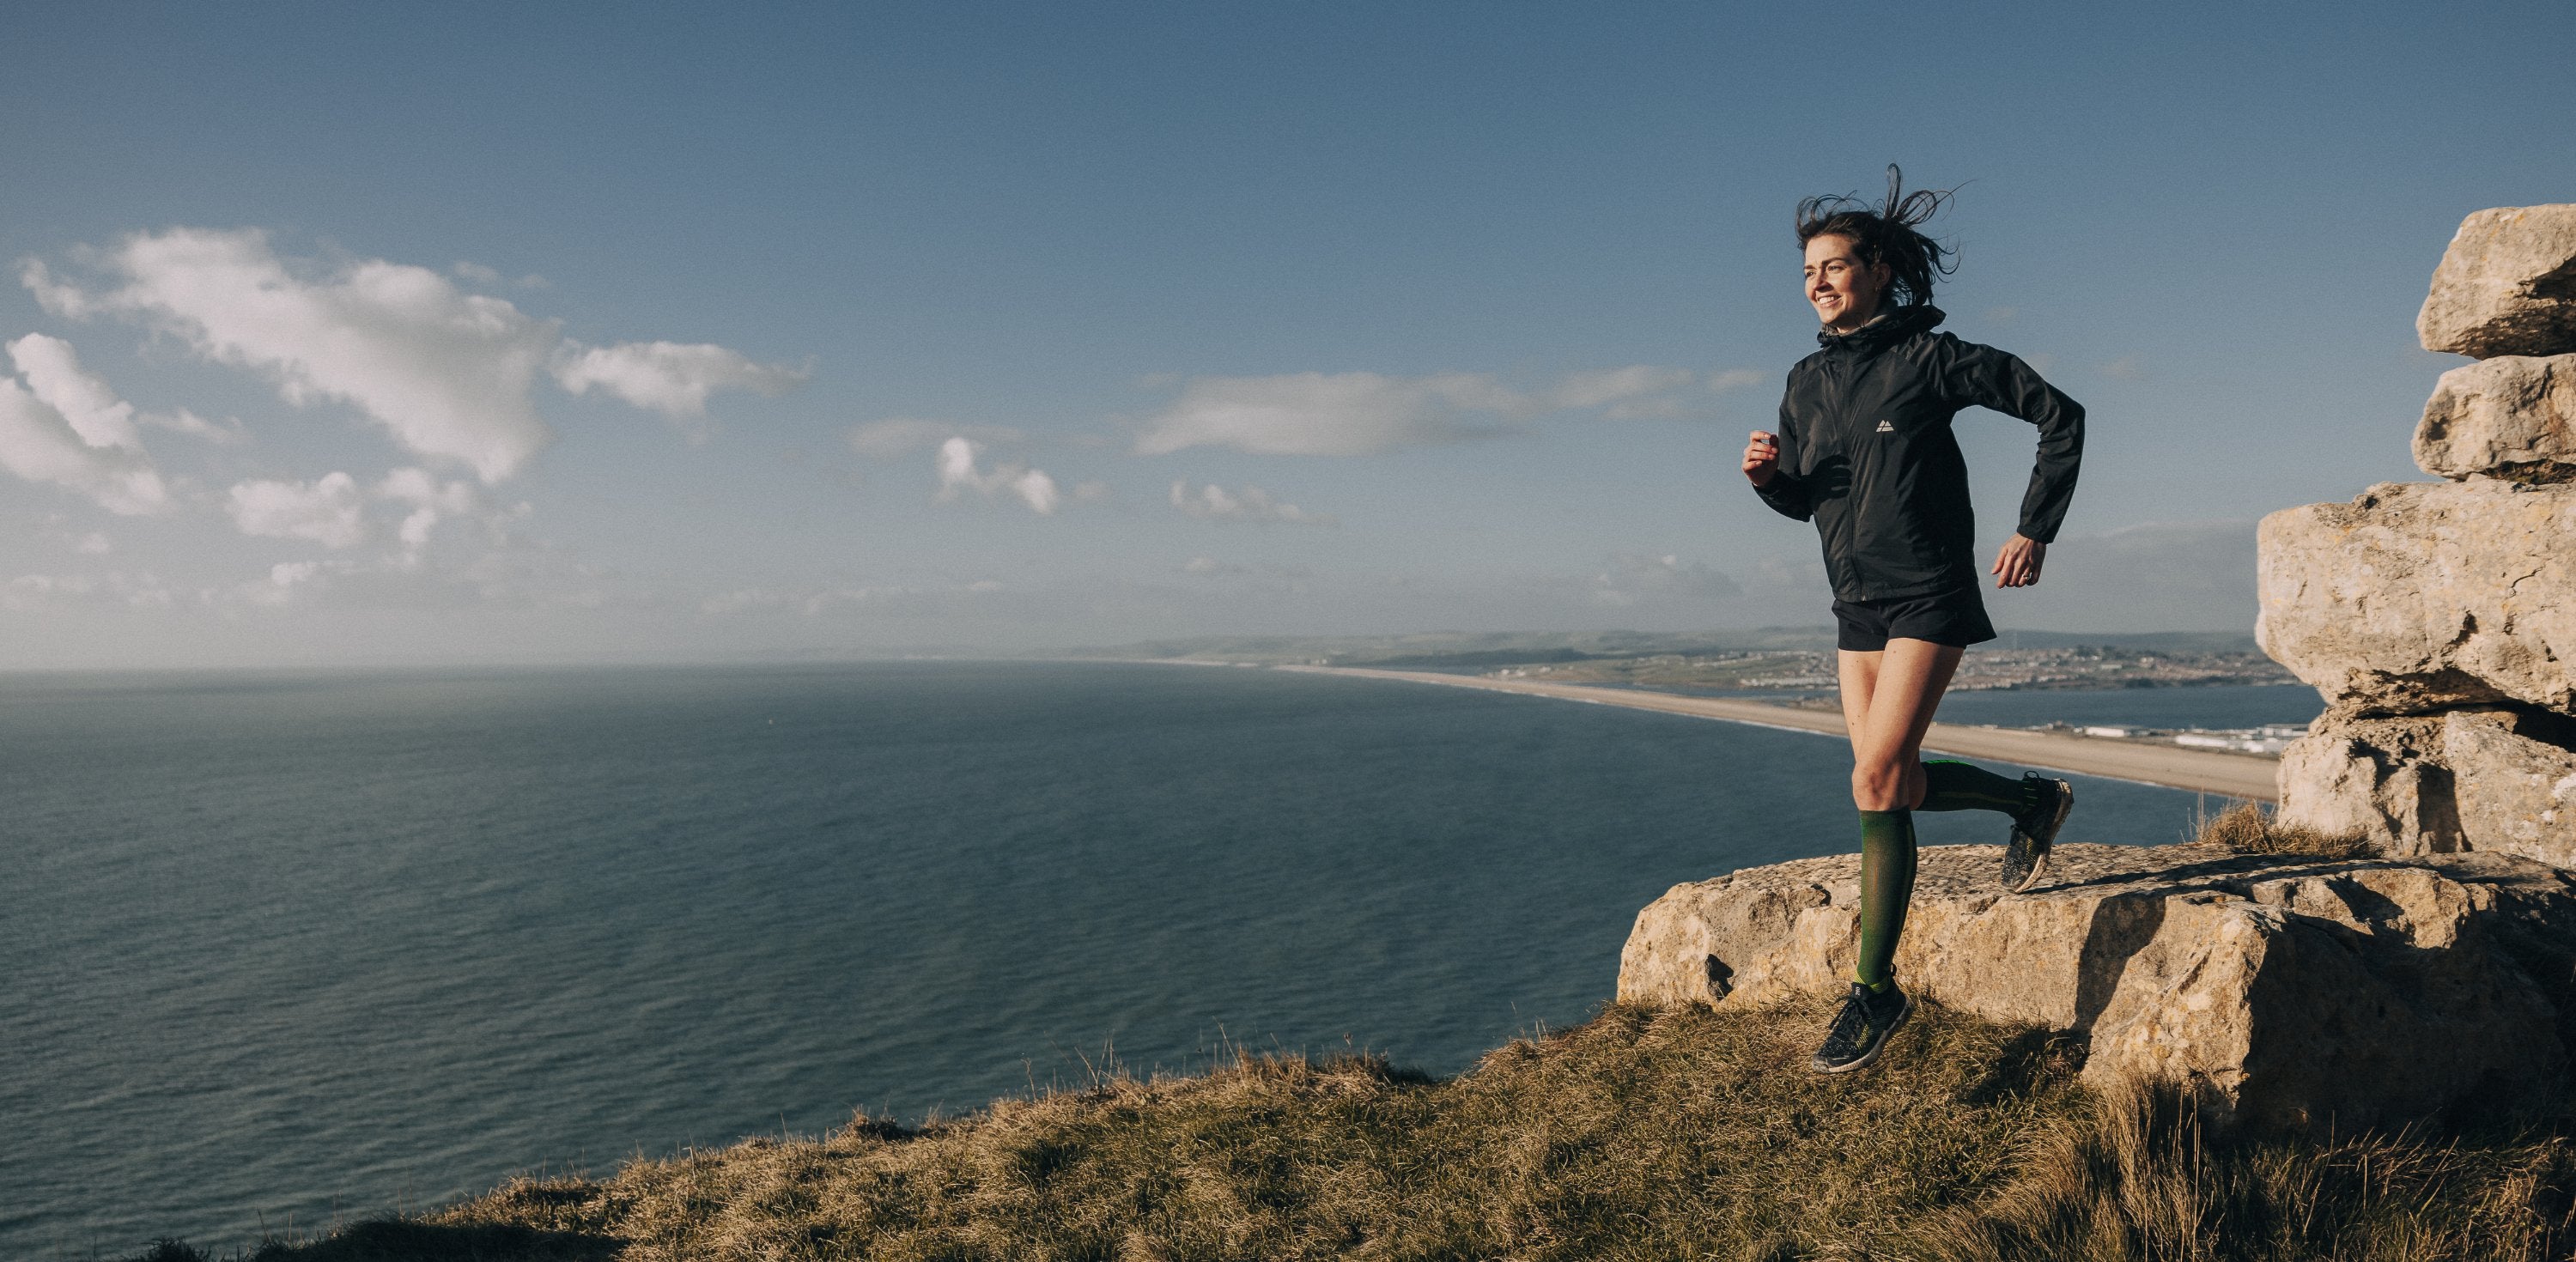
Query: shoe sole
x=1870 y=1057
x=2039 y=862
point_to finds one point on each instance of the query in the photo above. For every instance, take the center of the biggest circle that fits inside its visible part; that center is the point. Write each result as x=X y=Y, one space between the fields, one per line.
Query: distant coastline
x=2245 y=776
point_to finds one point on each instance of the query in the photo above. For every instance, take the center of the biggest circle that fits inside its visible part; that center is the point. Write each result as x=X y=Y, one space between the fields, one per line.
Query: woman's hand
x=2018 y=564
x=1762 y=457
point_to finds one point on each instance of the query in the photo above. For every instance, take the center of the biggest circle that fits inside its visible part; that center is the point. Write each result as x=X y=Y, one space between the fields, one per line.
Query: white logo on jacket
x=1886 y=427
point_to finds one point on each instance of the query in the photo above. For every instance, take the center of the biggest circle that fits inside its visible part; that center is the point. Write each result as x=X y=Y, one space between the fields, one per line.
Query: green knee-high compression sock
x=1886 y=886
x=1957 y=786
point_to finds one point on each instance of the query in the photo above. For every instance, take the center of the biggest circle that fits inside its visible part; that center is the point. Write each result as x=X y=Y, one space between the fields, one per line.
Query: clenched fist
x=1762 y=457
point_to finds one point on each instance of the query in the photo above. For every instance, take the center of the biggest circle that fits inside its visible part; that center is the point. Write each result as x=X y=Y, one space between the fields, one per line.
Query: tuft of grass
x=2247 y=828
x=1641 y=1134
x=2144 y=1182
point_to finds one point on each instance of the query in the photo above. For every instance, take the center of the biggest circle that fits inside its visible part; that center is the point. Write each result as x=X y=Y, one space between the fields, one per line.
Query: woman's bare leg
x=1888 y=702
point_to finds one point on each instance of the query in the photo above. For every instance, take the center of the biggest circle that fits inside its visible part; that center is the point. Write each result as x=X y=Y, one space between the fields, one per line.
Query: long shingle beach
x=2246 y=776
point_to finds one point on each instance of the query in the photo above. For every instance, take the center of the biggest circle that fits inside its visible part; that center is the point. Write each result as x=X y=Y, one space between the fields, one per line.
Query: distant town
x=1783 y=666
x=2081 y=666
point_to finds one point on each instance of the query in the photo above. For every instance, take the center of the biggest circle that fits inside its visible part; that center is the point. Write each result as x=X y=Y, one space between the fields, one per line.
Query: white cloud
x=2126 y=368
x=329 y=511
x=671 y=378
x=1037 y=490
x=186 y=422
x=430 y=500
x=1366 y=413
x=41 y=443
x=957 y=472
x=116 y=587
x=1325 y=414
x=54 y=375
x=1215 y=503
x=2154 y=576
x=1736 y=379
x=1605 y=386
x=904 y=435
x=446 y=372
x=290 y=573
x=1630 y=578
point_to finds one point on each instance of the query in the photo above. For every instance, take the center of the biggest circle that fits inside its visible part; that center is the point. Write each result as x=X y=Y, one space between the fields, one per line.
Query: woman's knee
x=1879 y=784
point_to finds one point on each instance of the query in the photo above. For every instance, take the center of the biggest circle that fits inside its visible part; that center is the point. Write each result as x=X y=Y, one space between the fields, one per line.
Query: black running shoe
x=2035 y=830
x=1859 y=1032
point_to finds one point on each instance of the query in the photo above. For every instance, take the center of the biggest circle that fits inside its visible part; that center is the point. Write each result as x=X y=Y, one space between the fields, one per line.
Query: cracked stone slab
x=2506 y=285
x=2421 y=597
x=2293 y=991
x=2511 y=417
x=2494 y=779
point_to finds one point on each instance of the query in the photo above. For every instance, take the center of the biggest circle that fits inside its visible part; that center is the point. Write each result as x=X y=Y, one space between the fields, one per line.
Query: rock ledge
x=2290 y=990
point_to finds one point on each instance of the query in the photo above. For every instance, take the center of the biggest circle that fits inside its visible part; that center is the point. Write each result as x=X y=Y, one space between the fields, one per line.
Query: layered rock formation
x=2294 y=991
x=2439 y=620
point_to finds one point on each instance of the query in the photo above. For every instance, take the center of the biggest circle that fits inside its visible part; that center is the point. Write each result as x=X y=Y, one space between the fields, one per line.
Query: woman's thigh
x=1905 y=690
x=1858 y=675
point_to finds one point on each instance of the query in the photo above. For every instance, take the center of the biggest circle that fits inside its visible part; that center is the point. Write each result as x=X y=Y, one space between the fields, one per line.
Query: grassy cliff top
x=1640 y=1134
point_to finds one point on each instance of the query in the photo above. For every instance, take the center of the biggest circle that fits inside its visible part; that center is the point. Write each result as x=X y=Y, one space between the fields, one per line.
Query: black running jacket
x=1866 y=450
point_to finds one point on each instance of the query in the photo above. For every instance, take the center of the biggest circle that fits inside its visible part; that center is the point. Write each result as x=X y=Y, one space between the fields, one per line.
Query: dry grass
x=2143 y=1182
x=1639 y=1135
x=2249 y=829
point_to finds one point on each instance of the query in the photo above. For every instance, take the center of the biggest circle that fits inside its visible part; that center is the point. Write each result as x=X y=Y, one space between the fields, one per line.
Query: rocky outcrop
x=2386 y=780
x=2514 y=782
x=2512 y=417
x=2290 y=991
x=2440 y=620
x=2419 y=596
x=2507 y=285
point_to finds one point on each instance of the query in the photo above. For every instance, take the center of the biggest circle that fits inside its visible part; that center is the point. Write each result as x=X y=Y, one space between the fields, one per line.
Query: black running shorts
x=1956 y=617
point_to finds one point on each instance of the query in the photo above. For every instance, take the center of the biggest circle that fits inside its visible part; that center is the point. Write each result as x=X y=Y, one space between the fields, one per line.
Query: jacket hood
x=1888 y=330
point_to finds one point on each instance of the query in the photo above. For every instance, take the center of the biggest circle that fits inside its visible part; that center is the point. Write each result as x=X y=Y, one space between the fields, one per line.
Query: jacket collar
x=1886 y=330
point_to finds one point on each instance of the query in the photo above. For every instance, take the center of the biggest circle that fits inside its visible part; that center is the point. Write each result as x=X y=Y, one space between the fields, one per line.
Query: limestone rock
x=2419 y=597
x=2506 y=286
x=2295 y=991
x=2386 y=779
x=2515 y=792
x=2512 y=417
x=2495 y=779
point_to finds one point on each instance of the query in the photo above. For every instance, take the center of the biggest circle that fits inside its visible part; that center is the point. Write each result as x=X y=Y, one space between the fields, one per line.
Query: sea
x=284 y=949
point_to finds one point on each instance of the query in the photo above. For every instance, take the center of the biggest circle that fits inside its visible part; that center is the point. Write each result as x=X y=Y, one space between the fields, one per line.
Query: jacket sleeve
x=1785 y=494
x=1985 y=377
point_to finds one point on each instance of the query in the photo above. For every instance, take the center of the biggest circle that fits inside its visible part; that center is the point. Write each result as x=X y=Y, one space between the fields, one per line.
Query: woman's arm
x=1778 y=488
x=1985 y=377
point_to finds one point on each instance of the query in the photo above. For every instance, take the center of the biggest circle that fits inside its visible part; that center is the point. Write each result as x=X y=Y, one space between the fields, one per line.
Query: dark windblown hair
x=1886 y=235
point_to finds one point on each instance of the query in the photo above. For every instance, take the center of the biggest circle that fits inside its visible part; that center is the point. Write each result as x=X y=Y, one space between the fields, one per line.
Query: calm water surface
x=284 y=947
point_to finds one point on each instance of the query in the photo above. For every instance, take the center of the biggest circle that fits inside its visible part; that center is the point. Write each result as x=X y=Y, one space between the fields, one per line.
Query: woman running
x=1865 y=449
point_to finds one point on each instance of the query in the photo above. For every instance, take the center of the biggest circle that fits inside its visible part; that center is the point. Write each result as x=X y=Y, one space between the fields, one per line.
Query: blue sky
x=618 y=333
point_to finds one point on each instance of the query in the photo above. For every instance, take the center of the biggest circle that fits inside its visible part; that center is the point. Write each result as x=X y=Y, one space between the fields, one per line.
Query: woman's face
x=1844 y=292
